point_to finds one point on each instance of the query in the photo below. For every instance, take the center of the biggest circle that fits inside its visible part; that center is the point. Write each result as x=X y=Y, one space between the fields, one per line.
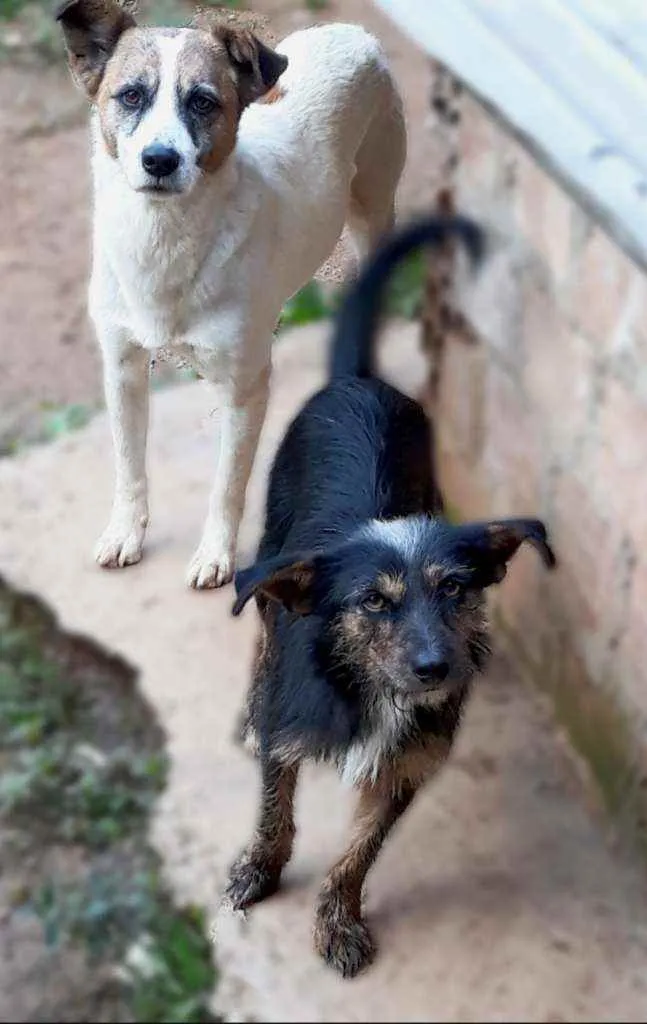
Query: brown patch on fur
x=273 y=96
x=262 y=660
x=340 y=935
x=391 y=586
x=257 y=872
x=434 y=574
x=136 y=58
x=204 y=59
x=416 y=764
x=257 y=66
x=291 y=586
x=372 y=645
x=91 y=30
x=289 y=752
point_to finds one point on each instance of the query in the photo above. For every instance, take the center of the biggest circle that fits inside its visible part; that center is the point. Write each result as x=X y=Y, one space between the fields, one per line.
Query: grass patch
x=47 y=423
x=82 y=762
x=59 y=420
x=309 y=305
x=404 y=296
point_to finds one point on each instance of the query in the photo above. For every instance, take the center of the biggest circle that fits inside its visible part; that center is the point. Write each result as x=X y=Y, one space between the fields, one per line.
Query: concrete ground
x=500 y=896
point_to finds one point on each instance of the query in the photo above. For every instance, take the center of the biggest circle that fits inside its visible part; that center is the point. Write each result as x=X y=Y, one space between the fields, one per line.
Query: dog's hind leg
x=257 y=872
x=367 y=226
x=126 y=383
x=341 y=937
x=378 y=165
x=240 y=412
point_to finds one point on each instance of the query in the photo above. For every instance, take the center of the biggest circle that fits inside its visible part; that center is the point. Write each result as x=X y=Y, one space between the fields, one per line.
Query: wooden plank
x=608 y=182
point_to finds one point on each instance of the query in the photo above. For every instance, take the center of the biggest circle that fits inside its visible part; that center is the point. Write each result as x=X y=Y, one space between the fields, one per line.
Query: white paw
x=122 y=541
x=210 y=567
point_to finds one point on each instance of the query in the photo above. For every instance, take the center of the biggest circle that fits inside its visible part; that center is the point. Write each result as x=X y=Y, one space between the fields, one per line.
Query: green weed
x=82 y=762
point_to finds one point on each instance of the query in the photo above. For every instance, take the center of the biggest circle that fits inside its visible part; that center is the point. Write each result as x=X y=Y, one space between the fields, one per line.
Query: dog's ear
x=289 y=581
x=257 y=67
x=489 y=546
x=91 y=29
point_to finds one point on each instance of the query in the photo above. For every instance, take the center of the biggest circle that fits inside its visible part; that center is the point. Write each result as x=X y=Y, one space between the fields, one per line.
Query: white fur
x=364 y=758
x=404 y=535
x=205 y=273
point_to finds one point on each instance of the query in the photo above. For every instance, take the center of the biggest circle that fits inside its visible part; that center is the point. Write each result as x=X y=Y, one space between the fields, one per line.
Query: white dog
x=210 y=211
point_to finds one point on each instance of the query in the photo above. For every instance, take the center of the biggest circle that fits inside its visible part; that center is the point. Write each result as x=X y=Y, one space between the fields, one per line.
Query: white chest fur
x=365 y=757
x=163 y=269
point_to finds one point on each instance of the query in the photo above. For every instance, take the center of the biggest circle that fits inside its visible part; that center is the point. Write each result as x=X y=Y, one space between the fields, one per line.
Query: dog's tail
x=357 y=320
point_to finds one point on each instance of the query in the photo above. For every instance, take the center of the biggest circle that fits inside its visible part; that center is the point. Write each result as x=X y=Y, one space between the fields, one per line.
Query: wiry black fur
x=358 y=452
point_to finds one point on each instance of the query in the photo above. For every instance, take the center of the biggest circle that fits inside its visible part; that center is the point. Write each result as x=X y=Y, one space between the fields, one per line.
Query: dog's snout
x=160 y=161
x=430 y=667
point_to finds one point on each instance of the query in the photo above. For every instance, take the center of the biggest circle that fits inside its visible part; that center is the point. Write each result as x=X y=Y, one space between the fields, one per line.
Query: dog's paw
x=122 y=542
x=342 y=940
x=210 y=568
x=251 y=879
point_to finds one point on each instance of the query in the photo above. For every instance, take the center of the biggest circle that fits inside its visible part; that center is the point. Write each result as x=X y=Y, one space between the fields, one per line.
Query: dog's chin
x=431 y=696
x=415 y=695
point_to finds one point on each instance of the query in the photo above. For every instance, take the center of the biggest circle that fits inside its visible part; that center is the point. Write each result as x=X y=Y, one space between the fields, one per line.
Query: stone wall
x=540 y=395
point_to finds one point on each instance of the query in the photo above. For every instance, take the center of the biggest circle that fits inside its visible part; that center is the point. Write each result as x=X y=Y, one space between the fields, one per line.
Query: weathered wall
x=542 y=409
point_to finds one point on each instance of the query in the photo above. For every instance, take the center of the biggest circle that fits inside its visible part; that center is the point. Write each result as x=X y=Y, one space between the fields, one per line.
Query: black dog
x=372 y=610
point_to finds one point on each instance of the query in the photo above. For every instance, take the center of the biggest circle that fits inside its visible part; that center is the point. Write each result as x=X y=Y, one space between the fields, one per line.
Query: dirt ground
x=501 y=895
x=47 y=352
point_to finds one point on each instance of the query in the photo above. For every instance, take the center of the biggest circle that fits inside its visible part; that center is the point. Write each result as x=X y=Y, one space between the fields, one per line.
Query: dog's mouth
x=412 y=693
x=158 y=190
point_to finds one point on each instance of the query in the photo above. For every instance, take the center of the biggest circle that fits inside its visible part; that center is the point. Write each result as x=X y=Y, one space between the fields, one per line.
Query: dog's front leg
x=240 y=412
x=341 y=937
x=257 y=872
x=126 y=382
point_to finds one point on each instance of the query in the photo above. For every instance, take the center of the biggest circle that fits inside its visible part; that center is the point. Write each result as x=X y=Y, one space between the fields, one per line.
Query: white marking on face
x=162 y=125
x=404 y=535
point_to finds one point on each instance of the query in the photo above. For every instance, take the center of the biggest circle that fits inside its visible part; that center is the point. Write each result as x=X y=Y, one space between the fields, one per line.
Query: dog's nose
x=429 y=668
x=160 y=161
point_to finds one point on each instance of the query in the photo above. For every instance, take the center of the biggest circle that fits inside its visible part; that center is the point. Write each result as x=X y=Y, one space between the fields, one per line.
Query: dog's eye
x=451 y=588
x=201 y=103
x=131 y=98
x=374 y=602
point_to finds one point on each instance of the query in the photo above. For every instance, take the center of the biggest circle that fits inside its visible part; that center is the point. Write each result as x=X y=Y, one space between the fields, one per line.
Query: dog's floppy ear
x=489 y=546
x=257 y=67
x=288 y=580
x=91 y=29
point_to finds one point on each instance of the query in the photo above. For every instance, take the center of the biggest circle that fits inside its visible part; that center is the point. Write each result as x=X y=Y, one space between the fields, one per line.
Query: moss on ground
x=82 y=762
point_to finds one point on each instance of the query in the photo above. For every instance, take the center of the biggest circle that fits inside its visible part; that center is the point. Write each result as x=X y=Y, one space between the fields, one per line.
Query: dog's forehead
x=147 y=54
x=203 y=58
x=406 y=539
x=411 y=545
x=136 y=57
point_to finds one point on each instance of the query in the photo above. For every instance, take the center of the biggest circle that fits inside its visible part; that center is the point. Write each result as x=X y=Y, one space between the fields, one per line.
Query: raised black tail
x=357 y=320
